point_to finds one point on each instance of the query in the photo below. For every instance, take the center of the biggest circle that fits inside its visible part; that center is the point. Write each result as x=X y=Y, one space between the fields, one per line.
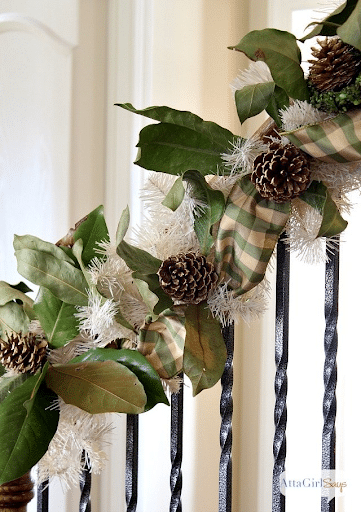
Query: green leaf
x=97 y=387
x=44 y=269
x=137 y=364
x=27 y=426
x=56 y=318
x=279 y=100
x=319 y=198
x=154 y=297
x=138 y=259
x=206 y=217
x=180 y=142
x=329 y=26
x=205 y=352
x=91 y=231
x=78 y=253
x=9 y=293
x=36 y=244
x=350 y=31
x=279 y=50
x=123 y=225
x=22 y=287
x=253 y=99
x=212 y=131
x=175 y=196
x=8 y=384
x=13 y=318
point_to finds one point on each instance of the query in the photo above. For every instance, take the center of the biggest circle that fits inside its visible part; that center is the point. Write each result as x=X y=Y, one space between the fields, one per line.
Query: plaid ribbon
x=247 y=235
x=333 y=140
x=162 y=343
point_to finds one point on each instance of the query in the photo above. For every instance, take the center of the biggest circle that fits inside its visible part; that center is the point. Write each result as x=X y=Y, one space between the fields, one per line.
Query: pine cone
x=22 y=353
x=281 y=173
x=337 y=64
x=187 y=277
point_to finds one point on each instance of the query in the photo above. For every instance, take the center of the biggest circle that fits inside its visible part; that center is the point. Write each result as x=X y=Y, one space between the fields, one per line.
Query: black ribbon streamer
x=131 y=463
x=281 y=357
x=42 y=497
x=226 y=410
x=85 y=487
x=176 y=450
x=330 y=368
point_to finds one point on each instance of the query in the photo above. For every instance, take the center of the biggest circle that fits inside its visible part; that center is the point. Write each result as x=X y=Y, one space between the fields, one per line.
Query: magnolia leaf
x=330 y=25
x=22 y=287
x=318 y=197
x=152 y=293
x=181 y=141
x=137 y=364
x=78 y=253
x=97 y=387
x=56 y=317
x=279 y=50
x=210 y=214
x=350 y=31
x=44 y=269
x=92 y=230
x=175 y=196
x=123 y=225
x=36 y=244
x=205 y=352
x=212 y=131
x=27 y=425
x=162 y=343
x=8 y=384
x=253 y=99
x=138 y=259
x=9 y=292
x=13 y=318
x=279 y=100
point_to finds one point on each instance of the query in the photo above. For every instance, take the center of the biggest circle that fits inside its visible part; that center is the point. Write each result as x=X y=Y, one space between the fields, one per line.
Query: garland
x=115 y=323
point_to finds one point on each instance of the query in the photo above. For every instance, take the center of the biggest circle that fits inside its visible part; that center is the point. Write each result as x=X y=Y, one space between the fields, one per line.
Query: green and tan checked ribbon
x=247 y=235
x=162 y=343
x=334 y=140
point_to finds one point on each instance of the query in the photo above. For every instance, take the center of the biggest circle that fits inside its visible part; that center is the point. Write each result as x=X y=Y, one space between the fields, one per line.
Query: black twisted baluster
x=176 y=450
x=42 y=497
x=85 y=486
x=281 y=357
x=131 y=464
x=226 y=409
x=330 y=369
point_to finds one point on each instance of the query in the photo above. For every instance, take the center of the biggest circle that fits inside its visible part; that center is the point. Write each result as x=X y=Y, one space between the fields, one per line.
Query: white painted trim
x=10 y=21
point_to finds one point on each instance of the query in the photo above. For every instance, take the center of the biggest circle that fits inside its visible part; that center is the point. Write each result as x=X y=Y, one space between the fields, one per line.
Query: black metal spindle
x=281 y=357
x=42 y=497
x=85 y=486
x=226 y=410
x=330 y=369
x=131 y=464
x=176 y=450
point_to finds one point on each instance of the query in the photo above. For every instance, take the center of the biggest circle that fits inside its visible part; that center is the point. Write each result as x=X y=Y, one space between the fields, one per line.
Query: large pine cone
x=187 y=277
x=337 y=64
x=22 y=353
x=281 y=173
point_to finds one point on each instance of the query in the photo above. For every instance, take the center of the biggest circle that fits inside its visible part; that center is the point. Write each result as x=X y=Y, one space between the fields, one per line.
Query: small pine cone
x=187 y=278
x=23 y=353
x=281 y=173
x=337 y=64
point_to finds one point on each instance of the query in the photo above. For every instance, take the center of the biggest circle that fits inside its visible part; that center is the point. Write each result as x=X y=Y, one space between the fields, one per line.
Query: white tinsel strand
x=155 y=190
x=240 y=159
x=301 y=113
x=228 y=308
x=302 y=230
x=77 y=431
x=257 y=73
x=97 y=322
x=340 y=179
